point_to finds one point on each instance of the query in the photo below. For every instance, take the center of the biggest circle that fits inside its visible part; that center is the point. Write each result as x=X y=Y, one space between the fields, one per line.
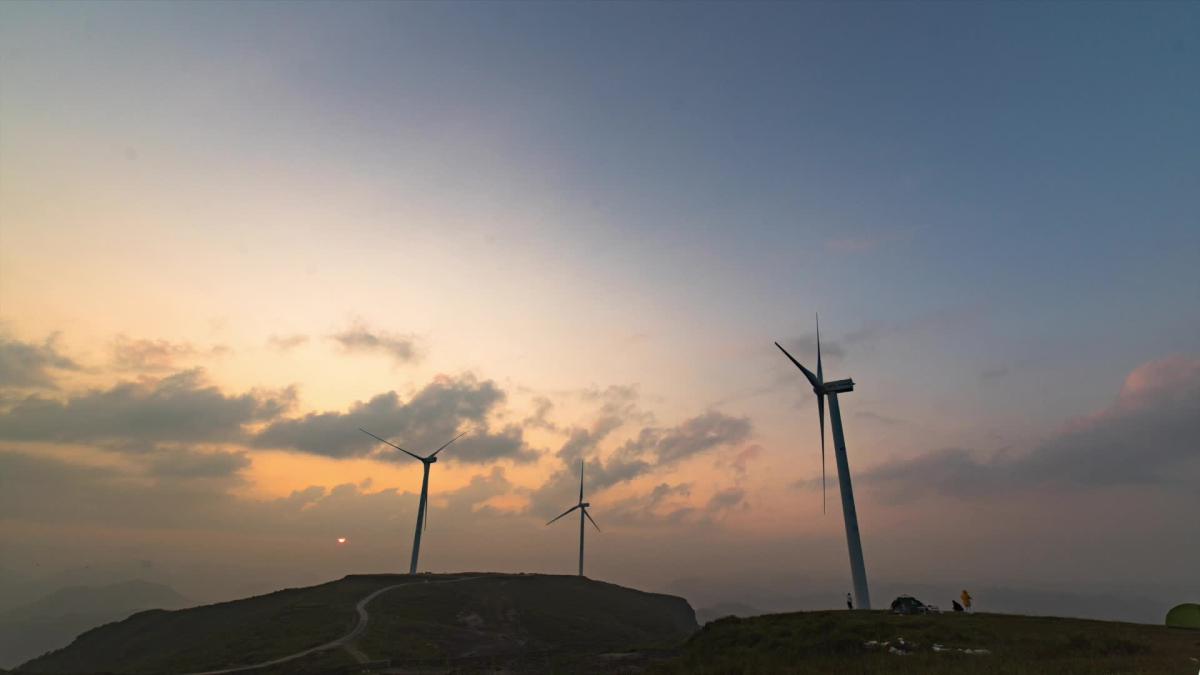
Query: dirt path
x=345 y=641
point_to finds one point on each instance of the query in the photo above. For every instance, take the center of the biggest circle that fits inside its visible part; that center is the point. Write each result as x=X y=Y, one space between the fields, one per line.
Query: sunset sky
x=231 y=234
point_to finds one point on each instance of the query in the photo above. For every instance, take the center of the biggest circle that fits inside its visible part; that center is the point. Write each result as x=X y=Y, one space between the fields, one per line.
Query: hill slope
x=474 y=618
x=835 y=642
x=54 y=620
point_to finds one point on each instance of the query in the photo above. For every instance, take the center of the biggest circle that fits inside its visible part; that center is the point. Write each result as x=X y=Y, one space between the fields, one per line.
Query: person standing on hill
x=849 y=602
x=966 y=599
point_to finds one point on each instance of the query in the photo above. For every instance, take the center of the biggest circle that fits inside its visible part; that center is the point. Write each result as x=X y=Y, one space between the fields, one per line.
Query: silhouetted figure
x=849 y=602
x=957 y=607
x=966 y=598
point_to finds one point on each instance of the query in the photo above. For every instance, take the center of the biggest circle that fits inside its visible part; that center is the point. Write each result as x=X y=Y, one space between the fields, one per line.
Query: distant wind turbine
x=421 y=508
x=822 y=389
x=583 y=513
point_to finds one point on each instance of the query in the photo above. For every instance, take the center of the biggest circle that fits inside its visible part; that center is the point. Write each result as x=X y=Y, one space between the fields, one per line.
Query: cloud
x=663 y=504
x=1149 y=436
x=285 y=343
x=188 y=463
x=179 y=408
x=46 y=489
x=359 y=339
x=432 y=416
x=149 y=356
x=25 y=364
x=540 y=418
x=667 y=505
x=651 y=449
x=691 y=437
x=664 y=491
x=741 y=461
x=726 y=500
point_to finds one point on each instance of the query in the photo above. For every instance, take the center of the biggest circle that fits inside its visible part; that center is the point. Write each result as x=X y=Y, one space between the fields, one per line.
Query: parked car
x=907 y=604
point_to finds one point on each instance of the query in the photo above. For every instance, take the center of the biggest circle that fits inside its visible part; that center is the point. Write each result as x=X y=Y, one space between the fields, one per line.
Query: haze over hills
x=52 y=621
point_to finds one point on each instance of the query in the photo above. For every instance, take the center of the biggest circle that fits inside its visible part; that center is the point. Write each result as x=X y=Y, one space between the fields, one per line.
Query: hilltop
x=524 y=622
x=840 y=642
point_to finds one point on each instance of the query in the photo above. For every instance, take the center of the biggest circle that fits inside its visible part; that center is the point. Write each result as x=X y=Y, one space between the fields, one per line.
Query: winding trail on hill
x=344 y=641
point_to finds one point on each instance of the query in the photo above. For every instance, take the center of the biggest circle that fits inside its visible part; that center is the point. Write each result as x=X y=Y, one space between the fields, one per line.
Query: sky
x=232 y=234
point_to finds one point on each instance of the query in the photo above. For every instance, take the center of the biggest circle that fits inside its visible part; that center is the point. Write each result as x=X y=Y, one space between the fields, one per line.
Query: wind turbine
x=583 y=513
x=822 y=389
x=416 y=550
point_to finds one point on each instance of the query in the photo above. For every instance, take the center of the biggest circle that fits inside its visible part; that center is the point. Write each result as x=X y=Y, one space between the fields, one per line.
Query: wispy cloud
x=285 y=343
x=1147 y=437
x=149 y=356
x=27 y=364
x=361 y=339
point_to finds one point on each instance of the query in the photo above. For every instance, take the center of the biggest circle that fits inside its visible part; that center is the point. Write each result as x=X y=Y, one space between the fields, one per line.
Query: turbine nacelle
x=838 y=386
x=584 y=505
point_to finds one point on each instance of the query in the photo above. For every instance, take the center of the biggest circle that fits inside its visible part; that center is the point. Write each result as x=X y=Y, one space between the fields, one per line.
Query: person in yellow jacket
x=966 y=599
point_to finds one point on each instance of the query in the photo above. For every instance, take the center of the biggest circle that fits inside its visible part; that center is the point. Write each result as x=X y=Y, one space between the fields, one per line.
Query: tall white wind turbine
x=583 y=513
x=423 y=505
x=821 y=388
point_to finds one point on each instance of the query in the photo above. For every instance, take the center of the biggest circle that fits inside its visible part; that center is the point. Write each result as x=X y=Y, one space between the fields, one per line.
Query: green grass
x=832 y=642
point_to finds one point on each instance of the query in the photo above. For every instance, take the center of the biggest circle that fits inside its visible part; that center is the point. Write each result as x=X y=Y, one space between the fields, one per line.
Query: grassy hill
x=833 y=642
x=565 y=624
x=520 y=621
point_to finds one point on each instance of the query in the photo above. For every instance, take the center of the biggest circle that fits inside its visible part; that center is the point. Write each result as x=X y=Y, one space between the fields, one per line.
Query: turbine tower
x=583 y=513
x=423 y=505
x=821 y=388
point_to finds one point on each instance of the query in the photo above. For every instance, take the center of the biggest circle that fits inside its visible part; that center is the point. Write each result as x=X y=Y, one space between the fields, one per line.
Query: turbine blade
x=812 y=379
x=589 y=517
x=425 y=518
x=820 y=372
x=581 y=481
x=821 y=414
x=564 y=513
x=435 y=452
x=391 y=444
